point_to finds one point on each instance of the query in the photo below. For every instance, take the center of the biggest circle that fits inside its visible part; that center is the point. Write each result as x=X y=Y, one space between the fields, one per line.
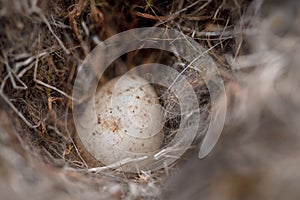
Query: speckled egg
x=123 y=121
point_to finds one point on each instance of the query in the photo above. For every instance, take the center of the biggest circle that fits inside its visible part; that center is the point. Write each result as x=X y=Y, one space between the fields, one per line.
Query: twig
x=47 y=85
x=148 y=16
x=26 y=62
x=5 y=98
x=201 y=7
x=218 y=10
x=51 y=30
x=196 y=18
x=35 y=9
x=75 y=13
x=72 y=141
x=174 y=15
x=12 y=75
x=190 y=65
x=228 y=33
x=164 y=153
x=117 y=164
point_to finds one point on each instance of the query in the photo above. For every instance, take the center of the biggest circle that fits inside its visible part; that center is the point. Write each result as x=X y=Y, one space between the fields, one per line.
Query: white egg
x=124 y=121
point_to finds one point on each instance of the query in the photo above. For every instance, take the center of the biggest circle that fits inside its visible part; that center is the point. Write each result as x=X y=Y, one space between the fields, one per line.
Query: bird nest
x=43 y=45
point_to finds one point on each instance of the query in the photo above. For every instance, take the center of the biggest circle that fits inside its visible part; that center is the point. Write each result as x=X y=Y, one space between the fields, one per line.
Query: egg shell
x=125 y=121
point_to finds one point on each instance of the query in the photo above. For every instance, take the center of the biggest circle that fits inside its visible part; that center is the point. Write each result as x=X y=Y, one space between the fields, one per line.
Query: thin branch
x=117 y=164
x=13 y=76
x=6 y=99
x=47 y=85
x=148 y=16
x=35 y=9
x=191 y=63
x=72 y=141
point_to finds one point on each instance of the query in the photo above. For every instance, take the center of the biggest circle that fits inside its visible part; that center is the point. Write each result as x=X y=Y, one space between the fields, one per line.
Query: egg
x=123 y=121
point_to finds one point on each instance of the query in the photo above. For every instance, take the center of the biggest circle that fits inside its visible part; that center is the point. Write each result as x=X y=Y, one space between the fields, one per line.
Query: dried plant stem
x=47 y=85
x=35 y=9
x=117 y=164
x=6 y=99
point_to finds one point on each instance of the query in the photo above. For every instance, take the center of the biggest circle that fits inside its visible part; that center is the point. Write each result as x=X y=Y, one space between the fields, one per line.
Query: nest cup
x=43 y=45
x=177 y=84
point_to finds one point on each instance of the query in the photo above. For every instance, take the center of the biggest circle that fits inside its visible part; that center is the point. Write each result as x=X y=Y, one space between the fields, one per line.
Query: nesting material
x=43 y=44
